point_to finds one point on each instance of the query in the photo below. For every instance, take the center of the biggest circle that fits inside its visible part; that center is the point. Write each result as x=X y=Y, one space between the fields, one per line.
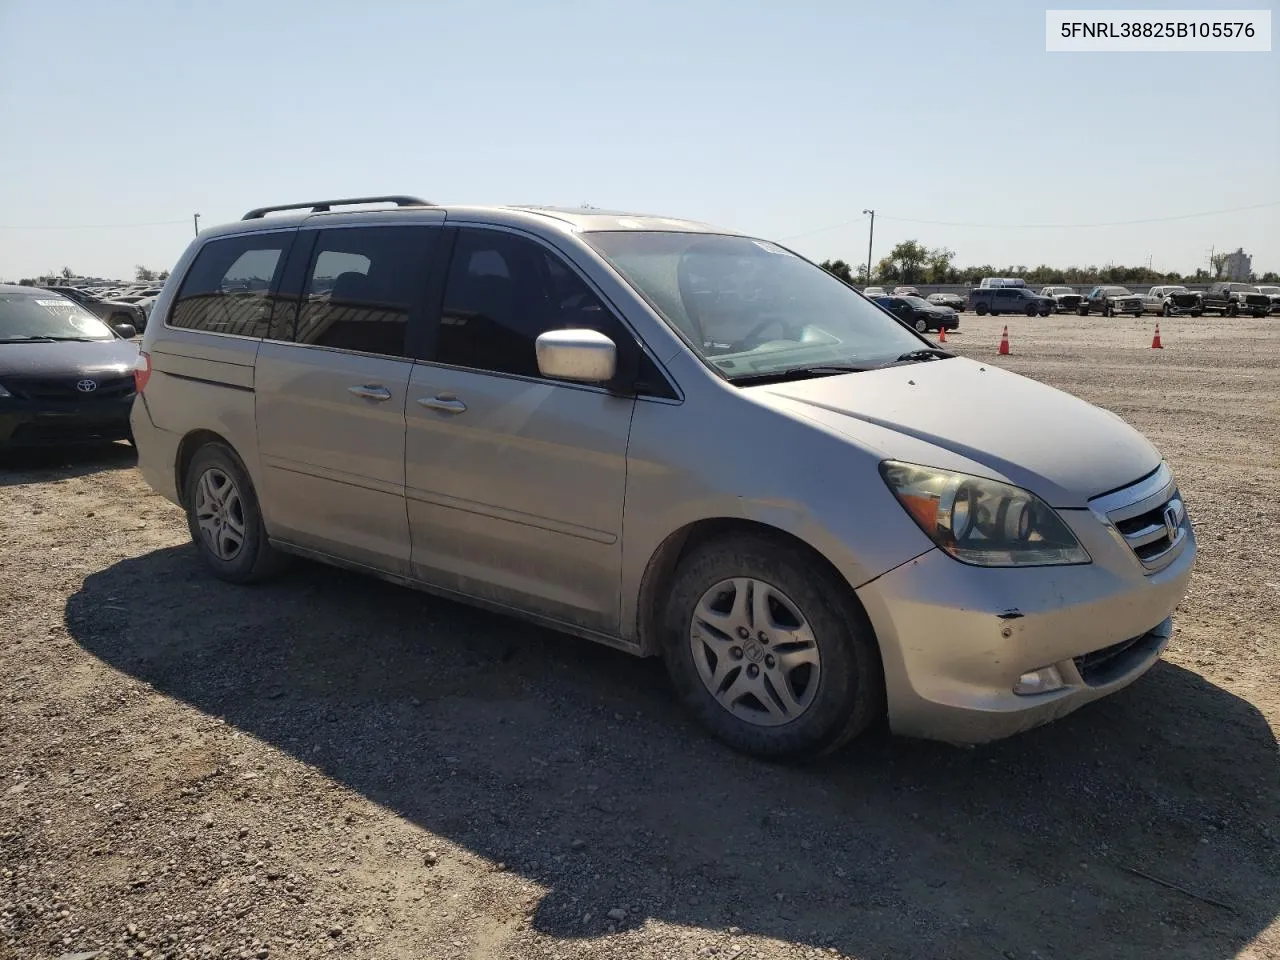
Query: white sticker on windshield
x=56 y=303
x=768 y=247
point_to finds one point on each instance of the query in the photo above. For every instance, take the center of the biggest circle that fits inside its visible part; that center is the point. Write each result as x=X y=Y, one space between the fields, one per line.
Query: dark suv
x=997 y=300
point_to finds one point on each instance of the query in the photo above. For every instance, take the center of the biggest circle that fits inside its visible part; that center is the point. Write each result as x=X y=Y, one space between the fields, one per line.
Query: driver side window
x=502 y=292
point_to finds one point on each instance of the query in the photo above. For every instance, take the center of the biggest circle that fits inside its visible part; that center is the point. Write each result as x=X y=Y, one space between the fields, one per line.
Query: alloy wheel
x=220 y=514
x=755 y=652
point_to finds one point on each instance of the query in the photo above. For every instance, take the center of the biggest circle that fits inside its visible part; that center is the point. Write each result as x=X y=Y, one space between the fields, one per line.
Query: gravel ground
x=333 y=765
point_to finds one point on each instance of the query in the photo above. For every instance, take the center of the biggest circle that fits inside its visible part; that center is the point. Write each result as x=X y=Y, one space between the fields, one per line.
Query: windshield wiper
x=798 y=373
x=924 y=353
x=75 y=339
x=25 y=339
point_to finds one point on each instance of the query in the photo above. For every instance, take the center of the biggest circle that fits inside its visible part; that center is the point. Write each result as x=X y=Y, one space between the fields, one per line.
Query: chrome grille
x=1149 y=517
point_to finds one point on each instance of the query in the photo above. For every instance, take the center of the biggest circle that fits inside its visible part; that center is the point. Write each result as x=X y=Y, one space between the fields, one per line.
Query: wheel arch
x=187 y=449
x=665 y=560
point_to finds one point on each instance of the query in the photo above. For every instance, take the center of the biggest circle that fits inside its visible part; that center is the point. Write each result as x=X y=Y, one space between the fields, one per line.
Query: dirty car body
x=721 y=455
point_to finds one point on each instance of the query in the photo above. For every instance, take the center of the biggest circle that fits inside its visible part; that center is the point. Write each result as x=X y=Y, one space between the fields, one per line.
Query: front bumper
x=46 y=423
x=955 y=639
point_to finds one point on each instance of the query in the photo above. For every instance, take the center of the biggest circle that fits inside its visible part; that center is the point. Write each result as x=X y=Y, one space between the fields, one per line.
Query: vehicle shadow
x=43 y=464
x=515 y=742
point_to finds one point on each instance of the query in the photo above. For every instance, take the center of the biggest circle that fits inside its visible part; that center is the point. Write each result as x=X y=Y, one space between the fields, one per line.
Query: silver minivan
x=669 y=438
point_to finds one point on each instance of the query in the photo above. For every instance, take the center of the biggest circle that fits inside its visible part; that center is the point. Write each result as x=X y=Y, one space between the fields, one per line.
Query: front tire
x=981 y=310
x=224 y=517
x=1231 y=310
x=921 y=326
x=767 y=650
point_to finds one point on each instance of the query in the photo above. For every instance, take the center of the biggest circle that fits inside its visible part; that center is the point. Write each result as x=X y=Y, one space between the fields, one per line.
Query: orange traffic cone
x=942 y=334
x=1004 y=342
x=1155 y=341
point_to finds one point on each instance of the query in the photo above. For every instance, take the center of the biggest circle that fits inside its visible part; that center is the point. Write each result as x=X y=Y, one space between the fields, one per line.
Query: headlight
x=983 y=522
x=3 y=392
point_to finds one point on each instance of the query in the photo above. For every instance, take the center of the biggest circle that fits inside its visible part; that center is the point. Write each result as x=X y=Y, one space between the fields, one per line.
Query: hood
x=962 y=415
x=1122 y=296
x=98 y=358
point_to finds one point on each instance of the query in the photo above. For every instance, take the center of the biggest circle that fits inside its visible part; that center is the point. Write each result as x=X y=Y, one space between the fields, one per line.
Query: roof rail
x=322 y=206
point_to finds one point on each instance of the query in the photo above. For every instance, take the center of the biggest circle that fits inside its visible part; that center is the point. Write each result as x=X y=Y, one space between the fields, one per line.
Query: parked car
x=1065 y=299
x=870 y=292
x=1110 y=300
x=998 y=300
x=1274 y=293
x=919 y=314
x=1172 y=301
x=1233 y=299
x=542 y=412
x=905 y=292
x=65 y=376
x=952 y=300
x=112 y=311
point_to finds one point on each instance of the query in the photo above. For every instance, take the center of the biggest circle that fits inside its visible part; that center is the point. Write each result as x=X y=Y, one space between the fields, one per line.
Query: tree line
x=912 y=262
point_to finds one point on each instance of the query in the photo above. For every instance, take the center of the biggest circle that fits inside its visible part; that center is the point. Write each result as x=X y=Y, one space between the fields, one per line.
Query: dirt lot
x=330 y=764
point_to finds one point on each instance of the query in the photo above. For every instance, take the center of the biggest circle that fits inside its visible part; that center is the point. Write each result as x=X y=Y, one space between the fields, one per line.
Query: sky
x=781 y=118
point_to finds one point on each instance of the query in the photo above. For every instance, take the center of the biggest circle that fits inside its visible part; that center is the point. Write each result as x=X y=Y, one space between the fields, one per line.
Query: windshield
x=1269 y=289
x=36 y=316
x=917 y=301
x=1116 y=292
x=750 y=308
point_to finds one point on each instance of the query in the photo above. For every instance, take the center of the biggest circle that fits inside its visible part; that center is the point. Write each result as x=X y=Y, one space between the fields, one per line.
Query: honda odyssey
x=669 y=438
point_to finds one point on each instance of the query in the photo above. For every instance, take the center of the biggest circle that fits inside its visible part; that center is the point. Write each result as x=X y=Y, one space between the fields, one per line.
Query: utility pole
x=1211 y=251
x=871 y=236
x=195 y=219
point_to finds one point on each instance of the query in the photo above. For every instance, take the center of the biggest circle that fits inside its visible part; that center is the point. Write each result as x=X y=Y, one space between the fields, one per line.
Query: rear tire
x=727 y=588
x=224 y=518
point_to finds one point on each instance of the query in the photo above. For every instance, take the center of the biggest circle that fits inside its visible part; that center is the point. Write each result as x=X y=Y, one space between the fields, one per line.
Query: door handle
x=445 y=403
x=370 y=392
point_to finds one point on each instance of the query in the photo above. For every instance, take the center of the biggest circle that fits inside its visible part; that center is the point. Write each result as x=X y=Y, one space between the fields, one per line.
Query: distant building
x=1238 y=266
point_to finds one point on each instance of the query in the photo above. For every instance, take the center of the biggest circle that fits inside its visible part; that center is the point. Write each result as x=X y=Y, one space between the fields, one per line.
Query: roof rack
x=322 y=206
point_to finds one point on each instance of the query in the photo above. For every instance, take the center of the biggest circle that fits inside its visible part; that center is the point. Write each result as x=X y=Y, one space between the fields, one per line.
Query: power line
x=90 y=226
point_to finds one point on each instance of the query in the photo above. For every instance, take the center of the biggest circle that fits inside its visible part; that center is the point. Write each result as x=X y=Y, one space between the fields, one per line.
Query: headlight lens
x=3 y=392
x=983 y=522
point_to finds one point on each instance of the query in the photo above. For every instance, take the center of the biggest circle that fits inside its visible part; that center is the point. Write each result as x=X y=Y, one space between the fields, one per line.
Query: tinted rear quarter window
x=228 y=288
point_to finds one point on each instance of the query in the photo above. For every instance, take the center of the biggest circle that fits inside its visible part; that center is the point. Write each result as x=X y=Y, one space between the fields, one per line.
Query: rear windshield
x=750 y=307
x=47 y=316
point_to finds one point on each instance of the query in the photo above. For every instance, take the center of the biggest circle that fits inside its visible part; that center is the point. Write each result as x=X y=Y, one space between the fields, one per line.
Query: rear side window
x=228 y=288
x=362 y=286
x=503 y=291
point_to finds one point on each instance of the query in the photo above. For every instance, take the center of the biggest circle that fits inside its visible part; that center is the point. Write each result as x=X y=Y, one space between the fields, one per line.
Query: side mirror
x=585 y=356
x=125 y=330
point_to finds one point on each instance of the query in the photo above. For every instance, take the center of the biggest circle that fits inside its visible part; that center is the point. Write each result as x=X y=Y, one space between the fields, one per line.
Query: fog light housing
x=1044 y=680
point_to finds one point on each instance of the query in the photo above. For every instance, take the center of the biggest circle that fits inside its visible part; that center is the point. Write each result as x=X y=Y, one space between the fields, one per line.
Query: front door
x=331 y=392
x=515 y=483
